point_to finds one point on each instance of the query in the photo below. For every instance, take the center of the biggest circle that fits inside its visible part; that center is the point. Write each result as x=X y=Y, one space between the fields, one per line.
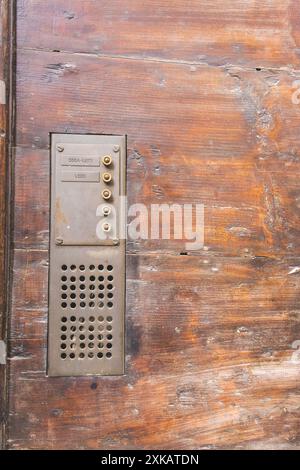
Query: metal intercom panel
x=87 y=255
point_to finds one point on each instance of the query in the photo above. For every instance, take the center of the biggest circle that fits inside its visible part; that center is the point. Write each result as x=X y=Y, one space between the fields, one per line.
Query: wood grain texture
x=205 y=96
x=226 y=139
x=216 y=32
x=203 y=370
x=5 y=118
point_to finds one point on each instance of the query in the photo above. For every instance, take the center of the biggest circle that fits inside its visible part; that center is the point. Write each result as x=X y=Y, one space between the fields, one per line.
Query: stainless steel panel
x=87 y=273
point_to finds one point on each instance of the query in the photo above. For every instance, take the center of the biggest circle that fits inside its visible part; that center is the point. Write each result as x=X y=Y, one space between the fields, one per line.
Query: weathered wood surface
x=217 y=32
x=209 y=360
x=227 y=139
x=205 y=95
x=5 y=76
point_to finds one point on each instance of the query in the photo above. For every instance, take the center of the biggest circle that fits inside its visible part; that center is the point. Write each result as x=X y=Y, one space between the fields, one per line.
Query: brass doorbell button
x=106 y=194
x=106 y=210
x=107 y=160
x=106 y=177
x=106 y=227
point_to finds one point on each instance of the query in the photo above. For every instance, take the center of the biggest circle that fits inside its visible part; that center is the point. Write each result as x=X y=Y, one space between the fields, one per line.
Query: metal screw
x=60 y=148
x=116 y=242
x=59 y=241
x=116 y=148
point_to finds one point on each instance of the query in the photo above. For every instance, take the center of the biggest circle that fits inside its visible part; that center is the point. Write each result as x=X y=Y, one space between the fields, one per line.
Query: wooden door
x=207 y=94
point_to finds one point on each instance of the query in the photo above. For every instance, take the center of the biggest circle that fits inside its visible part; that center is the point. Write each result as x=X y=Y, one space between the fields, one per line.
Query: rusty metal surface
x=87 y=276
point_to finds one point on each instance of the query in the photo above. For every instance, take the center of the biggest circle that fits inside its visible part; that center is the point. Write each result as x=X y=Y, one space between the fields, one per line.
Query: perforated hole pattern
x=87 y=300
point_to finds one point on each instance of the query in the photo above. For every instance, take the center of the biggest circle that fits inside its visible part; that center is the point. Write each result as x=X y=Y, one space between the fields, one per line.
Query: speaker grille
x=82 y=337
x=87 y=294
x=87 y=287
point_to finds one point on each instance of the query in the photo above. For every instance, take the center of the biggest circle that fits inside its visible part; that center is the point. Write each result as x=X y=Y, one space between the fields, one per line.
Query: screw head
x=60 y=148
x=59 y=241
x=116 y=148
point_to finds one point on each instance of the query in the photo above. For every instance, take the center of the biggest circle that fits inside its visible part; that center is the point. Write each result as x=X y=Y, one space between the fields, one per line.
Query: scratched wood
x=246 y=32
x=219 y=126
x=208 y=98
x=203 y=370
x=4 y=129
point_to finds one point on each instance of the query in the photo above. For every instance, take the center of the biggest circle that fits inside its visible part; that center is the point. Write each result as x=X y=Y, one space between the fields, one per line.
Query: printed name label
x=79 y=160
x=80 y=176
